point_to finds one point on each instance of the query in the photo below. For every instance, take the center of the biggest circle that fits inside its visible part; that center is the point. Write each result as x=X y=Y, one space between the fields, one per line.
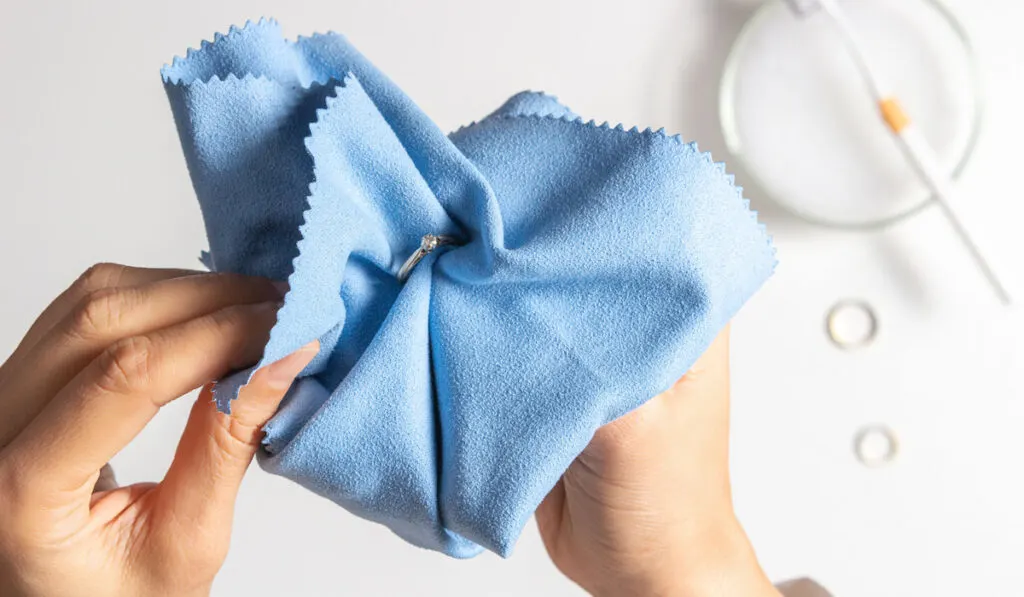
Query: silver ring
x=427 y=245
x=876 y=445
x=850 y=341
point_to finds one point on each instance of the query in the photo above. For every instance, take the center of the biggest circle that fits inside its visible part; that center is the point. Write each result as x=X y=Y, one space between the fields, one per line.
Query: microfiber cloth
x=591 y=267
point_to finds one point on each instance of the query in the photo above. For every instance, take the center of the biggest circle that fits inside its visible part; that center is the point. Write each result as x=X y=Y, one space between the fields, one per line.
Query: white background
x=91 y=170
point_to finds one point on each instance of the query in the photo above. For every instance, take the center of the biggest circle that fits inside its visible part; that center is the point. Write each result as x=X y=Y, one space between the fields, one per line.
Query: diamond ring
x=428 y=243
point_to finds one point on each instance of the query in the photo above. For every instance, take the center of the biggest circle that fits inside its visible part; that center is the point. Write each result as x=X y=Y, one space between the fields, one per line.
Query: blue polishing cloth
x=592 y=267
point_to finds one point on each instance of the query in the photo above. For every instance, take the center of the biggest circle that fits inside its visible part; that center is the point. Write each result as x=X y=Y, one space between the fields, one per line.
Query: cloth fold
x=593 y=266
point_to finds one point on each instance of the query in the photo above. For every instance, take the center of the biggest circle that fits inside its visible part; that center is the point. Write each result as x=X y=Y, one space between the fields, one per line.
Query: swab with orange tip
x=919 y=152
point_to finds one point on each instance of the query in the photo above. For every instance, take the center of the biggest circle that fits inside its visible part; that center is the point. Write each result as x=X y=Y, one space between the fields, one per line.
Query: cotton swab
x=915 y=147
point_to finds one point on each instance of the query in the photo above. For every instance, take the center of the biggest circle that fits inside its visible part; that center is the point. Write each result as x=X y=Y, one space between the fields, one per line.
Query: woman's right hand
x=647 y=510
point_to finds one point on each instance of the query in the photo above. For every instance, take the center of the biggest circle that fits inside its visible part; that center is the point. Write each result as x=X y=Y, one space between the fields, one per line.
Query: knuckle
x=100 y=275
x=225 y=320
x=126 y=366
x=236 y=440
x=98 y=313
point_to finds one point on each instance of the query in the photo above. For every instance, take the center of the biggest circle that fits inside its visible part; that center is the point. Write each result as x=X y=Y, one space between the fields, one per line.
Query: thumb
x=215 y=450
x=691 y=417
x=679 y=439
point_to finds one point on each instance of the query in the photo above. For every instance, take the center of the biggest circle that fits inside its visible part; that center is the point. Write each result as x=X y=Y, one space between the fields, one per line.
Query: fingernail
x=281 y=374
x=281 y=286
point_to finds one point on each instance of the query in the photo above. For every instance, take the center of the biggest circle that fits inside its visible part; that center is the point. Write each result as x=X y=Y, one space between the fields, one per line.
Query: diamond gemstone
x=428 y=243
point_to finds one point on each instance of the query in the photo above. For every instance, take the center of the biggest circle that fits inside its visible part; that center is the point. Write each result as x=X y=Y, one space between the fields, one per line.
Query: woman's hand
x=90 y=374
x=646 y=509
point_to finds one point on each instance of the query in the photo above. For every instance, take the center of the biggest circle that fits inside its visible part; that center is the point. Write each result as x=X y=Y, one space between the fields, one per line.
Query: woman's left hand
x=91 y=372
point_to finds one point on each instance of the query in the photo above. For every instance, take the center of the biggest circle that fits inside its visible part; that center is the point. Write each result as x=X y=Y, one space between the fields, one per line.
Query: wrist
x=721 y=563
x=726 y=566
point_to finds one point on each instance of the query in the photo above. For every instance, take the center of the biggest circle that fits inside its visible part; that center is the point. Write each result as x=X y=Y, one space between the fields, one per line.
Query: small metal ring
x=862 y=443
x=846 y=341
x=428 y=243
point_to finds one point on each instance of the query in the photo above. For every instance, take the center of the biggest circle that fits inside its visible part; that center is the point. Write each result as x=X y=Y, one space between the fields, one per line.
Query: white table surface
x=91 y=170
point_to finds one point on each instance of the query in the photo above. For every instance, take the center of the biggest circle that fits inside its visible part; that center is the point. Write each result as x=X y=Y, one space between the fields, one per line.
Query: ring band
x=428 y=243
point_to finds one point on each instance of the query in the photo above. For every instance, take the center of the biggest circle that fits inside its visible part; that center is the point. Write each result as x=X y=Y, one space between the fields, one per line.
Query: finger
x=112 y=399
x=697 y=406
x=696 y=417
x=96 y=278
x=706 y=384
x=689 y=421
x=700 y=399
x=110 y=314
x=550 y=515
x=711 y=369
x=216 y=449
